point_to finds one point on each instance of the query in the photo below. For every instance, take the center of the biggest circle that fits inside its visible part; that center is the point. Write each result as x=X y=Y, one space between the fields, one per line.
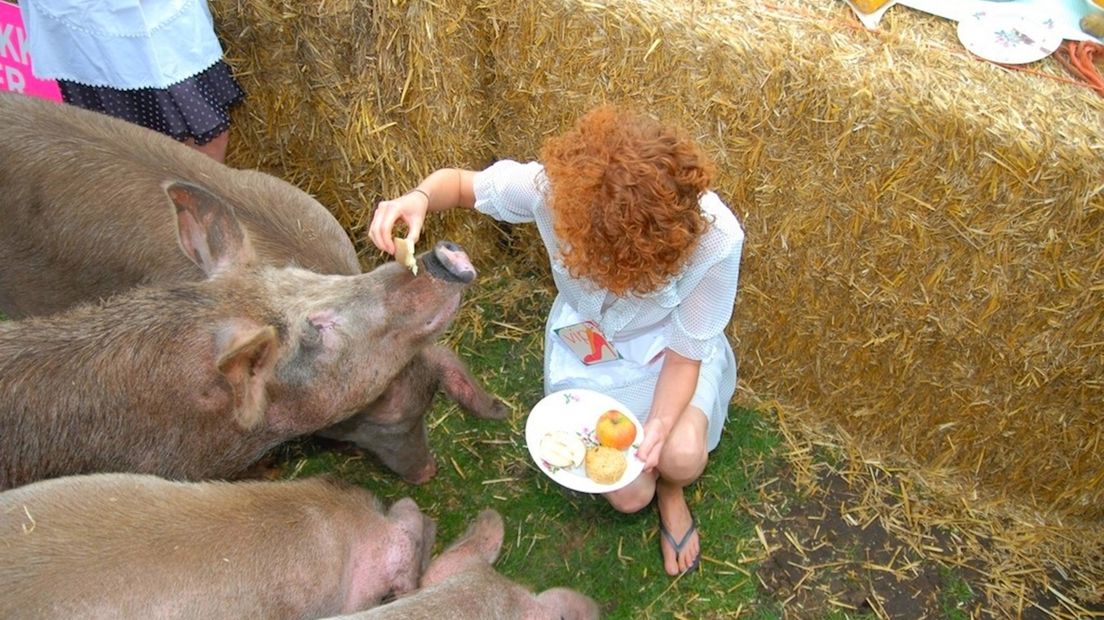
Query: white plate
x=1007 y=37
x=576 y=411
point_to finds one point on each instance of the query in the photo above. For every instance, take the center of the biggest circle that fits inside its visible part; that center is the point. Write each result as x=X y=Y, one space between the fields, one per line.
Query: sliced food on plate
x=584 y=440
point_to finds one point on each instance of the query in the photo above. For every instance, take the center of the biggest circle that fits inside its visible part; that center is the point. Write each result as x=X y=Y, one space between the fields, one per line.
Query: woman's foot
x=679 y=541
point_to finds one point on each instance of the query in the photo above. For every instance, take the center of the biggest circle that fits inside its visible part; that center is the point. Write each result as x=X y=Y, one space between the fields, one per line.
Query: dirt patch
x=843 y=552
x=832 y=555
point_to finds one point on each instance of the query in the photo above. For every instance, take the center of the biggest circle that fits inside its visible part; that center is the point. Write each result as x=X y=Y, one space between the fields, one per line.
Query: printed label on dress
x=588 y=343
x=15 y=61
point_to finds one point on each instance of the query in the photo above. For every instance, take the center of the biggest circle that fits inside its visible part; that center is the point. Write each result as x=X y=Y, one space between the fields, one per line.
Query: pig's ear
x=485 y=534
x=209 y=232
x=477 y=546
x=566 y=603
x=406 y=559
x=248 y=361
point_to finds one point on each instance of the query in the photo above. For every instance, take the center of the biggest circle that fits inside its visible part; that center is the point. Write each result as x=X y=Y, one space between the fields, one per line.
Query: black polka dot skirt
x=197 y=108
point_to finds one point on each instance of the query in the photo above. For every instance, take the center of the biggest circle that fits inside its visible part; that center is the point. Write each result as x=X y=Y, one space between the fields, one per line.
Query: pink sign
x=15 y=63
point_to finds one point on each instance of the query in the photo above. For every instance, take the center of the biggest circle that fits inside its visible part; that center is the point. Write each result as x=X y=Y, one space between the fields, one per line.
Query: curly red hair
x=624 y=198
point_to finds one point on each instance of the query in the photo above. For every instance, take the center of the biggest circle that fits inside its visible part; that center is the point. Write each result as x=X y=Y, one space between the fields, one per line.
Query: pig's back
x=124 y=545
x=85 y=214
x=476 y=594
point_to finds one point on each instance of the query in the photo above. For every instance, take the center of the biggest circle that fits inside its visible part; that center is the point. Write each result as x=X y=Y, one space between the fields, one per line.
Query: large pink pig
x=85 y=214
x=462 y=584
x=137 y=546
x=199 y=379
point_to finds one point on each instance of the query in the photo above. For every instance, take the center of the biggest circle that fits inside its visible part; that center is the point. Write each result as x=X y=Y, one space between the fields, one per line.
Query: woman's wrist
x=425 y=194
x=655 y=420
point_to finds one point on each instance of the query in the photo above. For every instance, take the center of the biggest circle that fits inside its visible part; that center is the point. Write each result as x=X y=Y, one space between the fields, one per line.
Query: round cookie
x=605 y=465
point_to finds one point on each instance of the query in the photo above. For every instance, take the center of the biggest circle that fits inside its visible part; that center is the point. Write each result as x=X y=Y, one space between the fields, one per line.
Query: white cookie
x=404 y=254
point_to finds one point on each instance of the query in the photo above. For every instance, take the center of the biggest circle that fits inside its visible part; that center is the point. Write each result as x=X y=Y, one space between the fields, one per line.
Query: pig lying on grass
x=84 y=216
x=200 y=379
x=135 y=546
x=462 y=584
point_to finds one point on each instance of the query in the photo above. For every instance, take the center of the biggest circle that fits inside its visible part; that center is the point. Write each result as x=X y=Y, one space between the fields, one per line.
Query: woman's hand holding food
x=411 y=208
x=655 y=435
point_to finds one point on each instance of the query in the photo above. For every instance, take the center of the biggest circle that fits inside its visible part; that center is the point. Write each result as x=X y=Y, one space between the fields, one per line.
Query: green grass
x=557 y=537
x=955 y=596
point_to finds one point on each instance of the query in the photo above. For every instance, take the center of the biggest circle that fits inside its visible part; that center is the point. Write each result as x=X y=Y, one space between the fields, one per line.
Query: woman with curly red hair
x=640 y=246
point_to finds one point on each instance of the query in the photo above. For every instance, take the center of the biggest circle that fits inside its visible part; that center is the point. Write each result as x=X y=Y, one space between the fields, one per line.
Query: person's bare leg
x=635 y=496
x=682 y=462
x=215 y=149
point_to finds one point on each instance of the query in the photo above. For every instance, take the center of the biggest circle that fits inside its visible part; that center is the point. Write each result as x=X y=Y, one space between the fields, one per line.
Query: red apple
x=615 y=430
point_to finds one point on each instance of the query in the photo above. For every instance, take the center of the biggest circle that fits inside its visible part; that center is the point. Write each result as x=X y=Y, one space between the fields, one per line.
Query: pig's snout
x=423 y=474
x=449 y=261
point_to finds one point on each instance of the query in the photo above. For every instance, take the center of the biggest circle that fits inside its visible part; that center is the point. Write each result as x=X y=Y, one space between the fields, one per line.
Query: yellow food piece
x=1093 y=24
x=404 y=254
x=605 y=465
x=869 y=6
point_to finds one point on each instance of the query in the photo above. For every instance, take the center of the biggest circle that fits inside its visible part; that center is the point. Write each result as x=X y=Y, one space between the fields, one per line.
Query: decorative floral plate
x=577 y=411
x=1008 y=37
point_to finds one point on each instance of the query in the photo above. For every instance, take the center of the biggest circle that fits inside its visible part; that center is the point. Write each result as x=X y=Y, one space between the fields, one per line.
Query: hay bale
x=923 y=265
x=356 y=101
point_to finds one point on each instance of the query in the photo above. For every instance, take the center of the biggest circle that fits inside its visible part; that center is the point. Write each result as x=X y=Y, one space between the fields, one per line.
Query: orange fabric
x=1077 y=58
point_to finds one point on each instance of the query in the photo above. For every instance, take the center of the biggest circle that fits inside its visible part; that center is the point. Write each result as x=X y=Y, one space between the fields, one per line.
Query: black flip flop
x=677 y=546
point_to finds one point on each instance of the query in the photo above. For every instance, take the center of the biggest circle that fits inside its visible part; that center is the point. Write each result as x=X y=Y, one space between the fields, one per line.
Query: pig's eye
x=312 y=336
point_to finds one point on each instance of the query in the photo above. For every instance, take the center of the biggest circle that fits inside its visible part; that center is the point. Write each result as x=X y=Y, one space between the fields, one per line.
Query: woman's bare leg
x=215 y=149
x=682 y=462
x=635 y=496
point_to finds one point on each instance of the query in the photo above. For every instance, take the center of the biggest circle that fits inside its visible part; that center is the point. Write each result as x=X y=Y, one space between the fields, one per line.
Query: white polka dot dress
x=156 y=63
x=196 y=108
